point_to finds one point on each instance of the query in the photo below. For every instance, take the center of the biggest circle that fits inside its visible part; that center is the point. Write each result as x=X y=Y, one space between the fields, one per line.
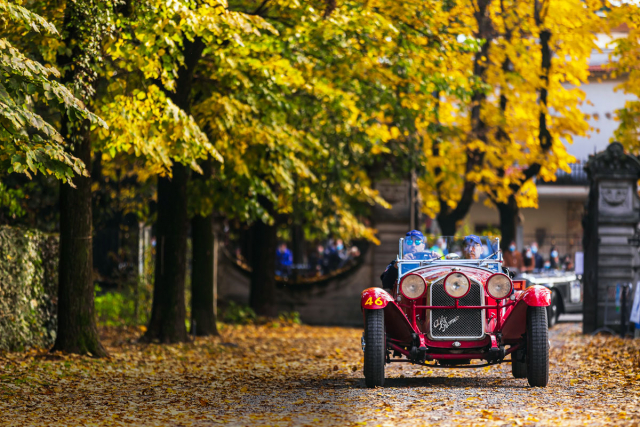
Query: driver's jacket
x=390 y=274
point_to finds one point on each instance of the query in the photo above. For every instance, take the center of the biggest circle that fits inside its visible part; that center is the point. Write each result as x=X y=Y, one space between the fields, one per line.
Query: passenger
x=472 y=248
x=413 y=249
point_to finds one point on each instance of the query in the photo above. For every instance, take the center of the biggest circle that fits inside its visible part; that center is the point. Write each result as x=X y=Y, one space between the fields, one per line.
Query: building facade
x=556 y=222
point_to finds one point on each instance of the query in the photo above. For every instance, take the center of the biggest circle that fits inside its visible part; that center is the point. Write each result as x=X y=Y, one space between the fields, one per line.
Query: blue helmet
x=472 y=238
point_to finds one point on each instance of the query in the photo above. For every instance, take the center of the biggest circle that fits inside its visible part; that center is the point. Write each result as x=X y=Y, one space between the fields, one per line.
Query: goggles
x=410 y=241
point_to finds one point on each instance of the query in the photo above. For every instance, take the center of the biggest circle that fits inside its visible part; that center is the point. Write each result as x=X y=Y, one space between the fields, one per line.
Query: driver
x=472 y=248
x=414 y=247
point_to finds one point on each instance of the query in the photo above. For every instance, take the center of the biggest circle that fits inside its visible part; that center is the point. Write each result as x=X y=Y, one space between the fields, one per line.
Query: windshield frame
x=495 y=259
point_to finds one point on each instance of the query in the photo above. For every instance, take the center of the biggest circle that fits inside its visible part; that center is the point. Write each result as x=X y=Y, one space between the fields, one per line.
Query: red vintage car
x=447 y=311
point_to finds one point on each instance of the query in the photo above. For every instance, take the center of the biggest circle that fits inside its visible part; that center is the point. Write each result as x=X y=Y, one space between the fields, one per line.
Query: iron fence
x=618 y=303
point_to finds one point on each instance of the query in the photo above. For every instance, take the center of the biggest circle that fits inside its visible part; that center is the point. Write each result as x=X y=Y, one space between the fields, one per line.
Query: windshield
x=434 y=248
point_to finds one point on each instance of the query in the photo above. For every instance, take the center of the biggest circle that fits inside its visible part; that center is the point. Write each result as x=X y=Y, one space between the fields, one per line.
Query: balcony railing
x=577 y=176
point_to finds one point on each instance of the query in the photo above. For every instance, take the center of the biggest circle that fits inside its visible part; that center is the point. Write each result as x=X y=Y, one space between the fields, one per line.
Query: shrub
x=28 y=288
x=118 y=308
x=291 y=318
x=238 y=314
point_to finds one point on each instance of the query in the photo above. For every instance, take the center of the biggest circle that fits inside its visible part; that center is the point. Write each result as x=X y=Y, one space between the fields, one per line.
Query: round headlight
x=456 y=285
x=413 y=286
x=499 y=286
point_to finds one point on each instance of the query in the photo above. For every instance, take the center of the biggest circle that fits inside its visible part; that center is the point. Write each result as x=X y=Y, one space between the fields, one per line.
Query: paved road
x=312 y=376
x=588 y=385
x=570 y=318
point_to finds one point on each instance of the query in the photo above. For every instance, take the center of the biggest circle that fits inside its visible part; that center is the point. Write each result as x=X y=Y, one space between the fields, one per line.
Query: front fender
x=536 y=296
x=514 y=325
x=374 y=298
x=397 y=326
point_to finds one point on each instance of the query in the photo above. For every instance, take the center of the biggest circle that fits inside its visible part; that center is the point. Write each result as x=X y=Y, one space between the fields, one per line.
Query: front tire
x=375 y=348
x=537 y=347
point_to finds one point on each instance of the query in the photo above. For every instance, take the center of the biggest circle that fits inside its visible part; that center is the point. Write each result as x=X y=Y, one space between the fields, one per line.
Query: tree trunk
x=263 y=275
x=77 y=332
x=508 y=222
x=203 y=267
x=168 y=312
x=297 y=250
x=202 y=276
x=448 y=219
x=447 y=224
x=509 y=211
x=297 y=244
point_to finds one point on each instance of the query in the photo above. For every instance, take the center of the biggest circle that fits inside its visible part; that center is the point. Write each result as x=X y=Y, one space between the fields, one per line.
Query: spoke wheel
x=375 y=347
x=537 y=347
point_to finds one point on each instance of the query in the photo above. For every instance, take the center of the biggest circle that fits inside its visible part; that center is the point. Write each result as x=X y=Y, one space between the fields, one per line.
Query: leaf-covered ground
x=303 y=375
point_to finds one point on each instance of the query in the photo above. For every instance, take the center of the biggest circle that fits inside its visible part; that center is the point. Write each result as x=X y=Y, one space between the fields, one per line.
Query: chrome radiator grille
x=456 y=323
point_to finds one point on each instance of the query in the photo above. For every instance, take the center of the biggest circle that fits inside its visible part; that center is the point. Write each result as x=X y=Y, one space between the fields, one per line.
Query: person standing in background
x=513 y=258
x=554 y=259
x=315 y=261
x=342 y=253
x=332 y=256
x=567 y=263
x=539 y=261
x=529 y=260
x=284 y=259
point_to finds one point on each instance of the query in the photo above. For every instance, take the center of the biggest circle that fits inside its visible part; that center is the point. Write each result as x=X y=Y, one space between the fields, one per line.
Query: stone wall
x=331 y=302
x=335 y=301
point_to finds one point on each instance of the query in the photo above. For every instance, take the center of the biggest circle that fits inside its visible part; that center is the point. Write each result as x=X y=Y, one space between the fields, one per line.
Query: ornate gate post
x=610 y=221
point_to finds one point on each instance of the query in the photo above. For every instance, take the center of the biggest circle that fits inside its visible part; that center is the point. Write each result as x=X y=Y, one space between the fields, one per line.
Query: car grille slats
x=456 y=323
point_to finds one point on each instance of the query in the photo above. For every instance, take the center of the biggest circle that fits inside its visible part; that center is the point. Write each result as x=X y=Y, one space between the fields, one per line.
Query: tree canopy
x=277 y=113
x=29 y=142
